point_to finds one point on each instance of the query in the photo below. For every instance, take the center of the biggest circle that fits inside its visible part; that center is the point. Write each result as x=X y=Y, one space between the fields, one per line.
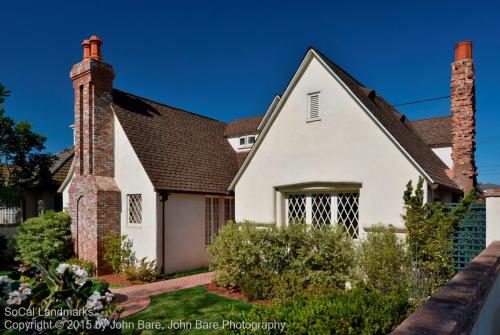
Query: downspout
x=163 y=198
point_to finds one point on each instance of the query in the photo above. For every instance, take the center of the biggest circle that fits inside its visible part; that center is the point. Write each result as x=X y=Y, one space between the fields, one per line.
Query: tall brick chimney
x=94 y=198
x=463 y=110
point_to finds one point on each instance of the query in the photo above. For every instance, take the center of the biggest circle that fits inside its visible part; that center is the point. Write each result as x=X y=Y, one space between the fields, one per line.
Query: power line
x=424 y=100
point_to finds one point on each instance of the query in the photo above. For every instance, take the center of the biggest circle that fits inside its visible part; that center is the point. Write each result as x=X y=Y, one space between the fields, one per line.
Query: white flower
x=61 y=268
x=348 y=285
x=25 y=290
x=109 y=296
x=15 y=298
x=94 y=301
x=5 y=280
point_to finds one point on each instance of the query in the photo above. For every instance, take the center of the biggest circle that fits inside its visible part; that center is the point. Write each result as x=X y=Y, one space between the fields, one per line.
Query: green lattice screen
x=469 y=239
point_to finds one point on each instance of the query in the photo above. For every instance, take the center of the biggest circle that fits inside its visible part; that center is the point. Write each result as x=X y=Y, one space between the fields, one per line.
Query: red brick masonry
x=455 y=307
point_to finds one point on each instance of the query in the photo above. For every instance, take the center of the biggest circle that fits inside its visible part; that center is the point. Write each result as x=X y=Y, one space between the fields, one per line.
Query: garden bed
x=235 y=294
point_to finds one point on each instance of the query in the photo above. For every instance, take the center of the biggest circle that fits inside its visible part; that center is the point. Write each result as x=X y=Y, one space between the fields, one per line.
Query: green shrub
x=118 y=252
x=251 y=258
x=383 y=259
x=100 y=286
x=287 y=285
x=142 y=271
x=257 y=284
x=234 y=252
x=430 y=230
x=361 y=310
x=43 y=239
x=83 y=263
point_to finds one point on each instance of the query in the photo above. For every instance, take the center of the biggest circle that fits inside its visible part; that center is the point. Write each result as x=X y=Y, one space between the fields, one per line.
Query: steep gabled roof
x=391 y=120
x=179 y=150
x=395 y=123
x=435 y=132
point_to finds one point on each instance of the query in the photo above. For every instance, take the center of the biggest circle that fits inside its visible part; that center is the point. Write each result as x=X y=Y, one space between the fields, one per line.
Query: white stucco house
x=328 y=149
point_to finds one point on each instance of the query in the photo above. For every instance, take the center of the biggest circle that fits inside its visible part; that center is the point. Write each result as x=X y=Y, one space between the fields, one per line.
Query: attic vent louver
x=313 y=110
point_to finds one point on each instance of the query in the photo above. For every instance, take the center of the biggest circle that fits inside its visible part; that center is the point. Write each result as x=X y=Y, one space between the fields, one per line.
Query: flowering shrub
x=60 y=297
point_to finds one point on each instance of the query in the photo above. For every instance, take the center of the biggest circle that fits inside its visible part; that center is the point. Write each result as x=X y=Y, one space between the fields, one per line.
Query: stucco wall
x=492 y=219
x=345 y=146
x=488 y=321
x=185 y=232
x=131 y=178
x=445 y=155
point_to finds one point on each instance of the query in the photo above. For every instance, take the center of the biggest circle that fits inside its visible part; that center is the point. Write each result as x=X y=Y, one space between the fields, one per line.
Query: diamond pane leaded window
x=134 y=203
x=296 y=208
x=321 y=205
x=348 y=212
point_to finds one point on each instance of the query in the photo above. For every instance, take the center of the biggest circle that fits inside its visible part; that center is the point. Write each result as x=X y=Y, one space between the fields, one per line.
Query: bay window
x=319 y=209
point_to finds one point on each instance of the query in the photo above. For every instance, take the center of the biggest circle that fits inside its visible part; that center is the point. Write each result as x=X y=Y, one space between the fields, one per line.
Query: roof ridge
x=170 y=106
x=247 y=117
x=431 y=118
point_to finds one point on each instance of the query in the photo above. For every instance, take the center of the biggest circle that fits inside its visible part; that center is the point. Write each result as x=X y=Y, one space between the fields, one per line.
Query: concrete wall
x=468 y=304
x=492 y=216
x=345 y=146
x=131 y=178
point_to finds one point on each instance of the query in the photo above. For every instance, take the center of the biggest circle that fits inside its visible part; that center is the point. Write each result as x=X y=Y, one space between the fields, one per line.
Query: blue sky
x=226 y=60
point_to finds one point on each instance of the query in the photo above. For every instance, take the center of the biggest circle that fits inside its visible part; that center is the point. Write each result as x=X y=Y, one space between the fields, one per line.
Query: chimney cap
x=95 y=38
x=463 y=50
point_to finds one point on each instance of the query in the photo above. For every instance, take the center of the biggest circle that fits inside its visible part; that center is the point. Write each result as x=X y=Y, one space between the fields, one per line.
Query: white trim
x=269 y=111
x=68 y=177
x=303 y=65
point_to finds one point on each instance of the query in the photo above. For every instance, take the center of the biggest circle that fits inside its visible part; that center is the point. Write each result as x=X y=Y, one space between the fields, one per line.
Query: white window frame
x=129 y=199
x=246 y=140
x=334 y=206
x=309 y=97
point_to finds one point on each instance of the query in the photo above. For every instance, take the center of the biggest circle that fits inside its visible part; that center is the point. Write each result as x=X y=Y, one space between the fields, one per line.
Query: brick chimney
x=463 y=110
x=94 y=198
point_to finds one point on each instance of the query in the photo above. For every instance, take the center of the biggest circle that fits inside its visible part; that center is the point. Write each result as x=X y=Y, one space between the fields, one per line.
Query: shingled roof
x=180 y=151
x=435 y=132
x=61 y=166
x=395 y=123
x=243 y=126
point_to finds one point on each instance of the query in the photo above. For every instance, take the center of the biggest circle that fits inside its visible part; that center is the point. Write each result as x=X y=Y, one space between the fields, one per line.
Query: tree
x=22 y=160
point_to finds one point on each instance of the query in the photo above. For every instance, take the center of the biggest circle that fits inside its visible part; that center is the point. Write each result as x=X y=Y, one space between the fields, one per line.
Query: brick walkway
x=134 y=299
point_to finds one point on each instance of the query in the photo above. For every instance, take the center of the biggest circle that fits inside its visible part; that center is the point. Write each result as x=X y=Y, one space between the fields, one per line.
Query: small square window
x=251 y=139
x=134 y=204
x=243 y=141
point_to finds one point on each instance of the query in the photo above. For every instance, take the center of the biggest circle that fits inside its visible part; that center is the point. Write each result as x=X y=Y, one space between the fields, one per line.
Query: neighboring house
x=38 y=198
x=327 y=150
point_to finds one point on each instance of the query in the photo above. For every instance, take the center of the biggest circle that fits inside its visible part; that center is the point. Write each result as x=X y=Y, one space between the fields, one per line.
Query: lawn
x=185 y=273
x=187 y=306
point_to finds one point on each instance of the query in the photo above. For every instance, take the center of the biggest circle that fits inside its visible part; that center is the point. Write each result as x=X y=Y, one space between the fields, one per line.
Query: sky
x=227 y=59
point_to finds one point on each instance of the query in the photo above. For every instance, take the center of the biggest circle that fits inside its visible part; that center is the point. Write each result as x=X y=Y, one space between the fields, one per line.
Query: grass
x=5 y=272
x=186 y=305
x=115 y=285
x=185 y=273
